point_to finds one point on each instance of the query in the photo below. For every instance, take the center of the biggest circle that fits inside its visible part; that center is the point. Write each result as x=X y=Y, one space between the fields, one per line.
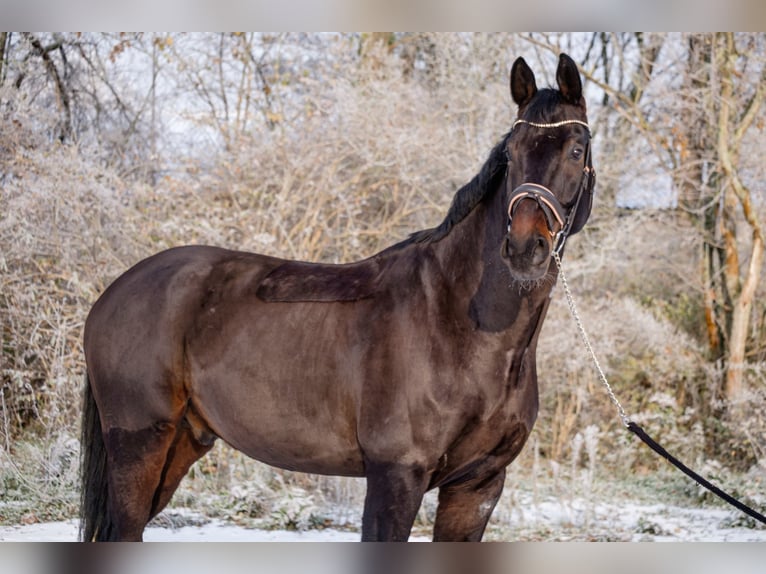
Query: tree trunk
x=712 y=193
x=62 y=95
x=3 y=43
x=698 y=179
x=741 y=285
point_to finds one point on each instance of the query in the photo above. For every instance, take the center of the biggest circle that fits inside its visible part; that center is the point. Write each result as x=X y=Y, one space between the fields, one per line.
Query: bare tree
x=743 y=260
x=723 y=93
x=231 y=78
x=57 y=72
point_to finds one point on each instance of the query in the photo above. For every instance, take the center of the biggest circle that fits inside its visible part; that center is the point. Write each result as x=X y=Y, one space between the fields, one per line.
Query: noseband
x=570 y=221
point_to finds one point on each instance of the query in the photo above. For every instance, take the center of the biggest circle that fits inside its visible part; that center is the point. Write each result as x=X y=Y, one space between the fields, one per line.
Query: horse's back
x=162 y=287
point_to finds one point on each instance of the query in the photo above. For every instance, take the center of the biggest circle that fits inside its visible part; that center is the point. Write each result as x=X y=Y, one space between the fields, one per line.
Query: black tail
x=95 y=522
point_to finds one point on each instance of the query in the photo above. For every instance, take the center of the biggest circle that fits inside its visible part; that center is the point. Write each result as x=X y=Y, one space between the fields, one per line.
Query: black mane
x=468 y=196
x=544 y=107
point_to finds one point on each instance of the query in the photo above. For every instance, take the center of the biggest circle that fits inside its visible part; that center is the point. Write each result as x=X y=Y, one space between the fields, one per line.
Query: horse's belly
x=288 y=426
x=281 y=385
x=306 y=456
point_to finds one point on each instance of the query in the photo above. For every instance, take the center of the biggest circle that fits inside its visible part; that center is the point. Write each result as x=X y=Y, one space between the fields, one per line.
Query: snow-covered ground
x=546 y=520
x=211 y=532
x=634 y=522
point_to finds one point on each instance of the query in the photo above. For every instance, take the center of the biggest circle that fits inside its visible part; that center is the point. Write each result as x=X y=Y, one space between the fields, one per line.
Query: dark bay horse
x=414 y=368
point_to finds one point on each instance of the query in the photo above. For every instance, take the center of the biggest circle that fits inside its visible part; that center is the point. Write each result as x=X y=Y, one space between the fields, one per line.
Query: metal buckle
x=558 y=241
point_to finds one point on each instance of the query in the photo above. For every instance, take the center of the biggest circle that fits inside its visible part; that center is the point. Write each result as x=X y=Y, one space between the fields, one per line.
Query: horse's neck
x=497 y=303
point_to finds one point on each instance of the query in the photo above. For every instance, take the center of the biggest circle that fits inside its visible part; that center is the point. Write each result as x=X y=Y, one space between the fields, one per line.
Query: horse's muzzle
x=552 y=208
x=529 y=243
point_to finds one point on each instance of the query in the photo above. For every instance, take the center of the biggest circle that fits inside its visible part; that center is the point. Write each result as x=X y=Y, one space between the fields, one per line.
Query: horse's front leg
x=465 y=507
x=394 y=494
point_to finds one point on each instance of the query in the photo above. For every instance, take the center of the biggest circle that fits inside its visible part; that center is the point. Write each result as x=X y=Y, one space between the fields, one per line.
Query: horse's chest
x=484 y=451
x=495 y=430
x=508 y=395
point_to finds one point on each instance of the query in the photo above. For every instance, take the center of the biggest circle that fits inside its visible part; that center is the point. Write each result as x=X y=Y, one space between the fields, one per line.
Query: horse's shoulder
x=300 y=281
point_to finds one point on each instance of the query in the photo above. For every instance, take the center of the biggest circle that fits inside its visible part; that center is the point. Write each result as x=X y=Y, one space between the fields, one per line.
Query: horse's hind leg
x=189 y=446
x=136 y=460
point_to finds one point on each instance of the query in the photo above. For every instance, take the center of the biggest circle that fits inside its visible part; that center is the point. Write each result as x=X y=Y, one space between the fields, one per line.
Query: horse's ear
x=568 y=79
x=523 y=86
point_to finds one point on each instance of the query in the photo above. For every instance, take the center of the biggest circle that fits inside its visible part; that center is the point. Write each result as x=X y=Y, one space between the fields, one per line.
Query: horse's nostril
x=541 y=250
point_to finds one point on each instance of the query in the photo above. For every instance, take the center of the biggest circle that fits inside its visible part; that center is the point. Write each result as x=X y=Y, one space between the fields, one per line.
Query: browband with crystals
x=553 y=125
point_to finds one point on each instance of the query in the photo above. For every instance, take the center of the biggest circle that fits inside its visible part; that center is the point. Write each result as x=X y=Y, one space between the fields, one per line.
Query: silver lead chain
x=586 y=341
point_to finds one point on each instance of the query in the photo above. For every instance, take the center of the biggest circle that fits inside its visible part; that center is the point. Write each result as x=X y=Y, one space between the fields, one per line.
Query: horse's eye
x=576 y=153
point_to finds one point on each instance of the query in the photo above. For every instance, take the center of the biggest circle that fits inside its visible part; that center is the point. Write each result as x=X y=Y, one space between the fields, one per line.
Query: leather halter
x=569 y=221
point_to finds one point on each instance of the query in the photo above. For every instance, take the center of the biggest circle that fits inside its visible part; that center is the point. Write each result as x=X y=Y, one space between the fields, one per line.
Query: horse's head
x=549 y=178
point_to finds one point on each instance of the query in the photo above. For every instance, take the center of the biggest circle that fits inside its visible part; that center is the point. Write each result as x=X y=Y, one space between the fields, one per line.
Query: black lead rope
x=656 y=447
x=636 y=429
